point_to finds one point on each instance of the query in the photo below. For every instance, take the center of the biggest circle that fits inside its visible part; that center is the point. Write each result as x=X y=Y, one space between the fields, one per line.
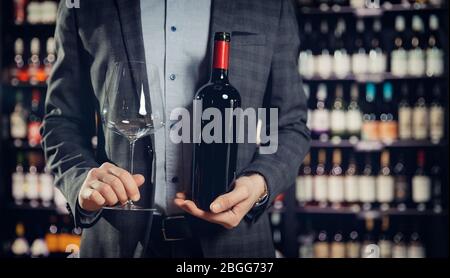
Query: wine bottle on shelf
x=377 y=56
x=320 y=180
x=399 y=56
x=51 y=56
x=306 y=241
x=34 y=63
x=32 y=185
x=18 y=119
x=437 y=116
x=336 y=181
x=20 y=246
x=321 y=117
x=18 y=181
x=19 y=11
x=388 y=127
x=415 y=249
x=46 y=187
x=214 y=164
x=337 y=115
x=436 y=185
x=321 y=245
x=405 y=115
x=367 y=185
x=360 y=59
x=52 y=235
x=369 y=249
x=341 y=59
x=384 y=241
x=434 y=53
x=306 y=62
x=39 y=247
x=19 y=72
x=416 y=54
x=337 y=246
x=370 y=125
x=401 y=184
x=420 y=115
x=34 y=123
x=421 y=183
x=399 y=249
x=353 y=246
x=304 y=183
x=385 y=182
x=351 y=181
x=324 y=61
x=353 y=115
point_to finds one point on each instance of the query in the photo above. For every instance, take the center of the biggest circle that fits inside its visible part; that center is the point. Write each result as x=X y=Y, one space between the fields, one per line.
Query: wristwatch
x=264 y=197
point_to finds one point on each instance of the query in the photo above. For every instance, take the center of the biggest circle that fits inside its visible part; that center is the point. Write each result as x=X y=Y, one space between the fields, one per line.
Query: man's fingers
x=127 y=180
x=139 y=179
x=116 y=184
x=229 y=200
x=91 y=199
x=106 y=192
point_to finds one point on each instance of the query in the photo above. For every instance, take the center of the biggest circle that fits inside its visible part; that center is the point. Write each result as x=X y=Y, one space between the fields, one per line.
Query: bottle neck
x=219 y=72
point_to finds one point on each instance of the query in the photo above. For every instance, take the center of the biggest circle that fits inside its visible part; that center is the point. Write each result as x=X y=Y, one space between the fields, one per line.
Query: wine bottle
x=20 y=246
x=337 y=115
x=416 y=55
x=420 y=116
x=46 y=187
x=401 y=184
x=306 y=242
x=34 y=122
x=353 y=246
x=18 y=181
x=320 y=180
x=388 y=127
x=385 y=182
x=415 y=249
x=434 y=52
x=369 y=130
x=369 y=249
x=19 y=72
x=377 y=56
x=336 y=180
x=437 y=116
x=337 y=246
x=405 y=115
x=341 y=59
x=399 y=56
x=351 y=181
x=360 y=59
x=353 y=115
x=399 y=250
x=321 y=117
x=324 y=60
x=367 y=185
x=50 y=59
x=304 y=183
x=421 y=183
x=306 y=63
x=18 y=119
x=321 y=245
x=214 y=164
x=384 y=241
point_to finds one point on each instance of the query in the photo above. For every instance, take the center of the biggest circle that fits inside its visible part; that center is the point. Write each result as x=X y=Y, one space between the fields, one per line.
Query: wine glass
x=132 y=108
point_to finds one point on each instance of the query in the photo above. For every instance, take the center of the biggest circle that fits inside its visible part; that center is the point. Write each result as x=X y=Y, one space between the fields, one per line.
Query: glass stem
x=132 y=143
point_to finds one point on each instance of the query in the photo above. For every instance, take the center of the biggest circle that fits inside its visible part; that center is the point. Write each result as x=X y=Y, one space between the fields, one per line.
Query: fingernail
x=135 y=198
x=215 y=207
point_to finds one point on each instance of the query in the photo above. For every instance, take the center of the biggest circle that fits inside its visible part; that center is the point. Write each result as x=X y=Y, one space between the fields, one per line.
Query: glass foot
x=129 y=206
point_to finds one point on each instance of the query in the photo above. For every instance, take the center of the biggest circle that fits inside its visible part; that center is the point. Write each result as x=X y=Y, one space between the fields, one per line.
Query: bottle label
x=341 y=63
x=359 y=63
x=351 y=192
x=354 y=121
x=18 y=190
x=436 y=123
x=367 y=189
x=416 y=251
x=338 y=121
x=320 y=188
x=420 y=123
x=34 y=135
x=221 y=52
x=335 y=189
x=377 y=61
x=405 y=122
x=306 y=64
x=399 y=62
x=388 y=130
x=324 y=65
x=416 y=62
x=321 y=120
x=435 y=62
x=385 y=189
x=421 y=187
x=304 y=188
x=369 y=130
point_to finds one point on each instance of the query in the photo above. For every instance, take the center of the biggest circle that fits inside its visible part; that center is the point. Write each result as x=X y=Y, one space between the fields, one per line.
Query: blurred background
x=375 y=183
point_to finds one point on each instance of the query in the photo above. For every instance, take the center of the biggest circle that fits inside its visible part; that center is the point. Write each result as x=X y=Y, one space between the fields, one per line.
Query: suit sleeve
x=285 y=93
x=69 y=123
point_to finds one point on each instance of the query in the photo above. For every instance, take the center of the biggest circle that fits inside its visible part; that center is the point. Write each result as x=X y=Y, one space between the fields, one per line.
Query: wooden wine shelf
x=370 y=12
x=374 y=213
x=367 y=146
x=364 y=78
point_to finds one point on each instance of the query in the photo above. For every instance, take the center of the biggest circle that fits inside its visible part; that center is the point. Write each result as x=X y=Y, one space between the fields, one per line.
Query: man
x=174 y=37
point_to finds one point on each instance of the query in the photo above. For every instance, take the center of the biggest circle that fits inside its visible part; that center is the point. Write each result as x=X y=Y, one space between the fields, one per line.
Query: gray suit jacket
x=263 y=67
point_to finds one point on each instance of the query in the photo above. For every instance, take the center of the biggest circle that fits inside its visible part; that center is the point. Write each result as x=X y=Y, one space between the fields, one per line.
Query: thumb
x=229 y=200
x=139 y=179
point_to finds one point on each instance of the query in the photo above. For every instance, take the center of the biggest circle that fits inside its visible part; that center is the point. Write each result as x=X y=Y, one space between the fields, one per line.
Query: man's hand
x=108 y=185
x=228 y=209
